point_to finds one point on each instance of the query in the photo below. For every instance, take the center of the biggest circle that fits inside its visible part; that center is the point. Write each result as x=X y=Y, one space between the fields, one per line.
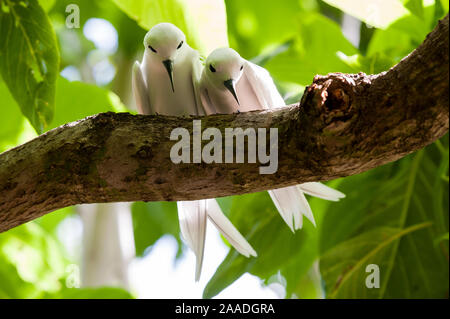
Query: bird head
x=224 y=68
x=164 y=42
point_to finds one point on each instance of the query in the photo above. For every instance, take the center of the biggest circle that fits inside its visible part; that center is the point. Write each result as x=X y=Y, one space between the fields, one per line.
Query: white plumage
x=166 y=50
x=231 y=84
x=166 y=83
x=192 y=216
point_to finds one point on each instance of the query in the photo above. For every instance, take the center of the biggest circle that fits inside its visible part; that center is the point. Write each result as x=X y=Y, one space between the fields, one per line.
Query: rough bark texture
x=346 y=124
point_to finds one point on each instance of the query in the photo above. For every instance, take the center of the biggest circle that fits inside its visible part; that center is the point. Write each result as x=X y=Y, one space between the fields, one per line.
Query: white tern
x=166 y=83
x=231 y=84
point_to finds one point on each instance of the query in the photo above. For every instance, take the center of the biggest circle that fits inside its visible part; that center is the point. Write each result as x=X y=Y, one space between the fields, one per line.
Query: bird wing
x=140 y=90
x=263 y=85
x=227 y=229
x=197 y=68
x=290 y=202
x=208 y=107
x=192 y=217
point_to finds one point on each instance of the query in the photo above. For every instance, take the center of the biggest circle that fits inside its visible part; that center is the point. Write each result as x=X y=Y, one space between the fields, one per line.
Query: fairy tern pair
x=166 y=83
x=171 y=80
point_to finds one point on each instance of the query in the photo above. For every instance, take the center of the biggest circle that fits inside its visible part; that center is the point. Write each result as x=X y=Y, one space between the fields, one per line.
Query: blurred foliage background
x=395 y=216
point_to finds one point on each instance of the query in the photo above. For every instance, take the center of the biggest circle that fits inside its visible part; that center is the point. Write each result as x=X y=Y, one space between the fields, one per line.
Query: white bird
x=231 y=84
x=166 y=83
x=155 y=88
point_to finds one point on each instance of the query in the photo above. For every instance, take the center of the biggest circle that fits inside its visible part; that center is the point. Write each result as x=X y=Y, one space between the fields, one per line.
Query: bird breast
x=224 y=101
x=162 y=99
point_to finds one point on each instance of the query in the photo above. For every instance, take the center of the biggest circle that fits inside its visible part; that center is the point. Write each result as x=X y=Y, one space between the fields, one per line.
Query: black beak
x=230 y=86
x=169 y=67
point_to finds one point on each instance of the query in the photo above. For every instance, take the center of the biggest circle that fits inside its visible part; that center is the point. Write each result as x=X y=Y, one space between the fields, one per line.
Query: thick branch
x=346 y=124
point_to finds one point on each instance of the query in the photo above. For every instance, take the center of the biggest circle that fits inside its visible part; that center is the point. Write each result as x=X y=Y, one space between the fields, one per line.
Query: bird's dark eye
x=150 y=47
x=179 y=46
x=212 y=68
x=242 y=67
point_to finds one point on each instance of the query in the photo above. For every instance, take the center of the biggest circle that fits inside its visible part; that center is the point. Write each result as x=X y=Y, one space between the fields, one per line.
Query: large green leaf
x=444 y=4
x=50 y=222
x=153 y=220
x=150 y=12
x=29 y=59
x=76 y=100
x=10 y=119
x=392 y=216
x=415 y=6
x=345 y=264
x=363 y=228
x=302 y=274
x=47 y=5
x=387 y=47
x=251 y=30
x=314 y=51
x=373 y=64
x=405 y=34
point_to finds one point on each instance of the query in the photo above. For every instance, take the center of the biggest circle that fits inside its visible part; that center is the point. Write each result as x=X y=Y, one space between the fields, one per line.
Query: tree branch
x=346 y=124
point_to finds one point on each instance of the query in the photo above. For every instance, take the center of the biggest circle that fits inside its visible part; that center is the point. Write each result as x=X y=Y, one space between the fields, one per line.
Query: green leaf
x=377 y=13
x=10 y=119
x=76 y=100
x=444 y=4
x=35 y=254
x=376 y=63
x=235 y=265
x=153 y=220
x=47 y=5
x=345 y=264
x=313 y=51
x=29 y=59
x=391 y=42
x=147 y=13
x=403 y=35
x=379 y=221
x=443 y=237
x=12 y=285
x=50 y=222
x=250 y=30
x=415 y=6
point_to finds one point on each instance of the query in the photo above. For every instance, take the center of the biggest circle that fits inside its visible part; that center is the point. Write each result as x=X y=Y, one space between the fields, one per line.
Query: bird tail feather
x=192 y=217
x=227 y=229
x=320 y=190
x=292 y=205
